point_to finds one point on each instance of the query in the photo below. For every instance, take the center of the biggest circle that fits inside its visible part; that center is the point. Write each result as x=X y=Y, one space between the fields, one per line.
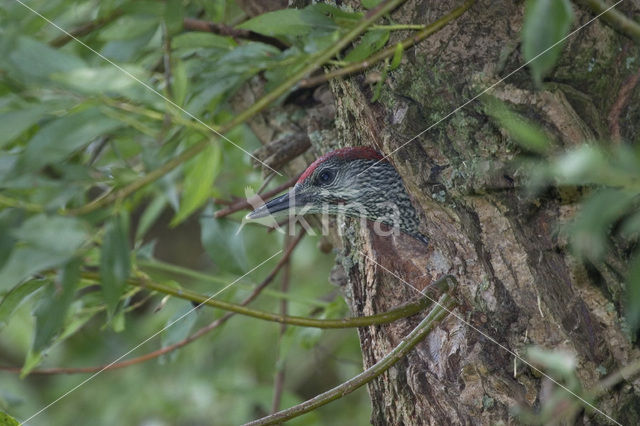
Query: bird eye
x=325 y=177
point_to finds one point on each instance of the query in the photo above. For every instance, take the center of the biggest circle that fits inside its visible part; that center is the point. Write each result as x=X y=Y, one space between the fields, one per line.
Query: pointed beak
x=287 y=201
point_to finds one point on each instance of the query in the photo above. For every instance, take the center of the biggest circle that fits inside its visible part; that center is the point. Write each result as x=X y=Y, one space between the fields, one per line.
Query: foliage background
x=72 y=123
x=72 y=127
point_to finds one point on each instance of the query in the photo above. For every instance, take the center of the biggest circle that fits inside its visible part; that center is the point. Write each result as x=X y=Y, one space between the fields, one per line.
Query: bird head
x=355 y=181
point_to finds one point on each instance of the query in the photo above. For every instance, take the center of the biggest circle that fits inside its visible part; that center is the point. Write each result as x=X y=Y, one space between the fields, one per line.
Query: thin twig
x=24 y=205
x=278 y=383
x=223 y=202
x=389 y=51
x=278 y=225
x=404 y=347
x=244 y=204
x=625 y=373
x=617 y=20
x=168 y=83
x=265 y=183
x=188 y=24
x=315 y=62
x=85 y=29
x=191 y=24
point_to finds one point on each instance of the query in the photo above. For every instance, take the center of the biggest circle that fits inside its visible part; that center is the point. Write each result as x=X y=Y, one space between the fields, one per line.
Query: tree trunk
x=518 y=283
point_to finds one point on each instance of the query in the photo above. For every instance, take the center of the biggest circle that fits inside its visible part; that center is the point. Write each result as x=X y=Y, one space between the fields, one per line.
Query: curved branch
x=376 y=319
x=389 y=51
x=409 y=342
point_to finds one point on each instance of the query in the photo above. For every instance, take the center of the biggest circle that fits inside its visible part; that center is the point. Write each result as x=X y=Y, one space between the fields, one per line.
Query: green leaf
x=115 y=260
x=129 y=27
x=14 y=123
x=633 y=295
x=370 y=43
x=581 y=166
x=76 y=320
x=53 y=306
x=179 y=326
x=250 y=56
x=288 y=22
x=525 y=133
x=199 y=176
x=197 y=39
x=588 y=233
x=128 y=50
x=223 y=243
x=309 y=337
x=336 y=12
x=51 y=313
x=106 y=80
x=173 y=16
x=546 y=22
x=16 y=297
x=150 y=215
x=397 y=57
x=216 y=10
x=44 y=242
x=9 y=219
x=57 y=234
x=7 y=420
x=35 y=60
x=58 y=139
x=180 y=83
x=561 y=363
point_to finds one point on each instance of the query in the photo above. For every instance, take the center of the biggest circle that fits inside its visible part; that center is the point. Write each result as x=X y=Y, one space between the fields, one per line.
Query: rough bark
x=518 y=282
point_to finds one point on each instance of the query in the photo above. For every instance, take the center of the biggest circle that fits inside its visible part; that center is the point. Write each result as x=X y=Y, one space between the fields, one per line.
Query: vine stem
x=437 y=313
x=389 y=51
x=316 y=61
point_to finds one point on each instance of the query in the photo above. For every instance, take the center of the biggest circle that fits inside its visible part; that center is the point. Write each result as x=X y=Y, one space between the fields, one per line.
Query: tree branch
x=244 y=204
x=381 y=318
x=226 y=30
x=389 y=51
x=616 y=20
x=404 y=347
